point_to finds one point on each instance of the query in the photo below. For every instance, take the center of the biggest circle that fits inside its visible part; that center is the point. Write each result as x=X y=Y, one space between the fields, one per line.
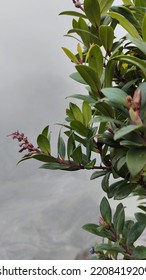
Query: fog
x=41 y=212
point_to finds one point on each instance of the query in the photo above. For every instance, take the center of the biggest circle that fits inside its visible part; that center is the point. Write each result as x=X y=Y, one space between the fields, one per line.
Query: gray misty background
x=41 y=212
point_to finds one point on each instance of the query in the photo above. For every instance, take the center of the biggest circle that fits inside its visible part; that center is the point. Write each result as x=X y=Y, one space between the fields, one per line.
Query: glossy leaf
x=92 y=11
x=125 y=23
x=95 y=60
x=90 y=76
x=138 y=156
x=106 y=35
x=43 y=143
x=71 y=56
x=115 y=95
x=105 y=210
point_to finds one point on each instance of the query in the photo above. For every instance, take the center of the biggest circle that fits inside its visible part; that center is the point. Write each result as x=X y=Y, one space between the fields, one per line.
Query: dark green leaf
x=119 y=218
x=135 y=231
x=97 y=230
x=105 y=182
x=55 y=166
x=123 y=190
x=77 y=155
x=139 y=253
x=98 y=174
x=70 y=145
x=90 y=164
x=108 y=247
x=141 y=218
x=138 y=156
x=61 y=147
x=105 y=210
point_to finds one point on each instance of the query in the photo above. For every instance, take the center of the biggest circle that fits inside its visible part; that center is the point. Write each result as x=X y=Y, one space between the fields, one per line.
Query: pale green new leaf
x=105 y=5
x=71 y=56
x=125 y=23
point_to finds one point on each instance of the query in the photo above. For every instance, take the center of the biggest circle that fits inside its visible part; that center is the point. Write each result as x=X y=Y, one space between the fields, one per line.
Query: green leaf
x=105 y=182
x=141 y=218
x=144 y=28
x=86 y=98
x=119 y=218
x=89 y=76
x=77 y=114
x=109 y=73
x=106 y=35
x=109 y=248
x=140 y=44
x=46 y=131
x=72 y=13
x=105 y=119
x=125 y=23
x=132 y=60
x=105 y=5
x=115 y=95
x=92 y=11
x=139 y=253
x=135 y=231
x=140 y=3
x=90 y=164
x=84 y=34
x=44 y=158
x=95 y=60
x=55 y=166
x=77 y=155
x=77 y=77
x=79 y=128
x=105 y=210
x=87 y=113
x=43 y=143
x=98 y=174
x=138 y=156
x=120 y=133
x=71 y=56
x=61 y=147
x=97 y=230
x=123 y=190
x=70 y=145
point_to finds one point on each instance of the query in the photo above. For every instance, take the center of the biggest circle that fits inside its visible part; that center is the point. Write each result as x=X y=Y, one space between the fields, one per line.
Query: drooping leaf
x=89 y=76
x=92 y=11
x=105 y=210
x=115 y=95
x=126 y=24
x=98 y=174
x=138 y=156
x=71 y=56
x=43 y=143
x=106 y=34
